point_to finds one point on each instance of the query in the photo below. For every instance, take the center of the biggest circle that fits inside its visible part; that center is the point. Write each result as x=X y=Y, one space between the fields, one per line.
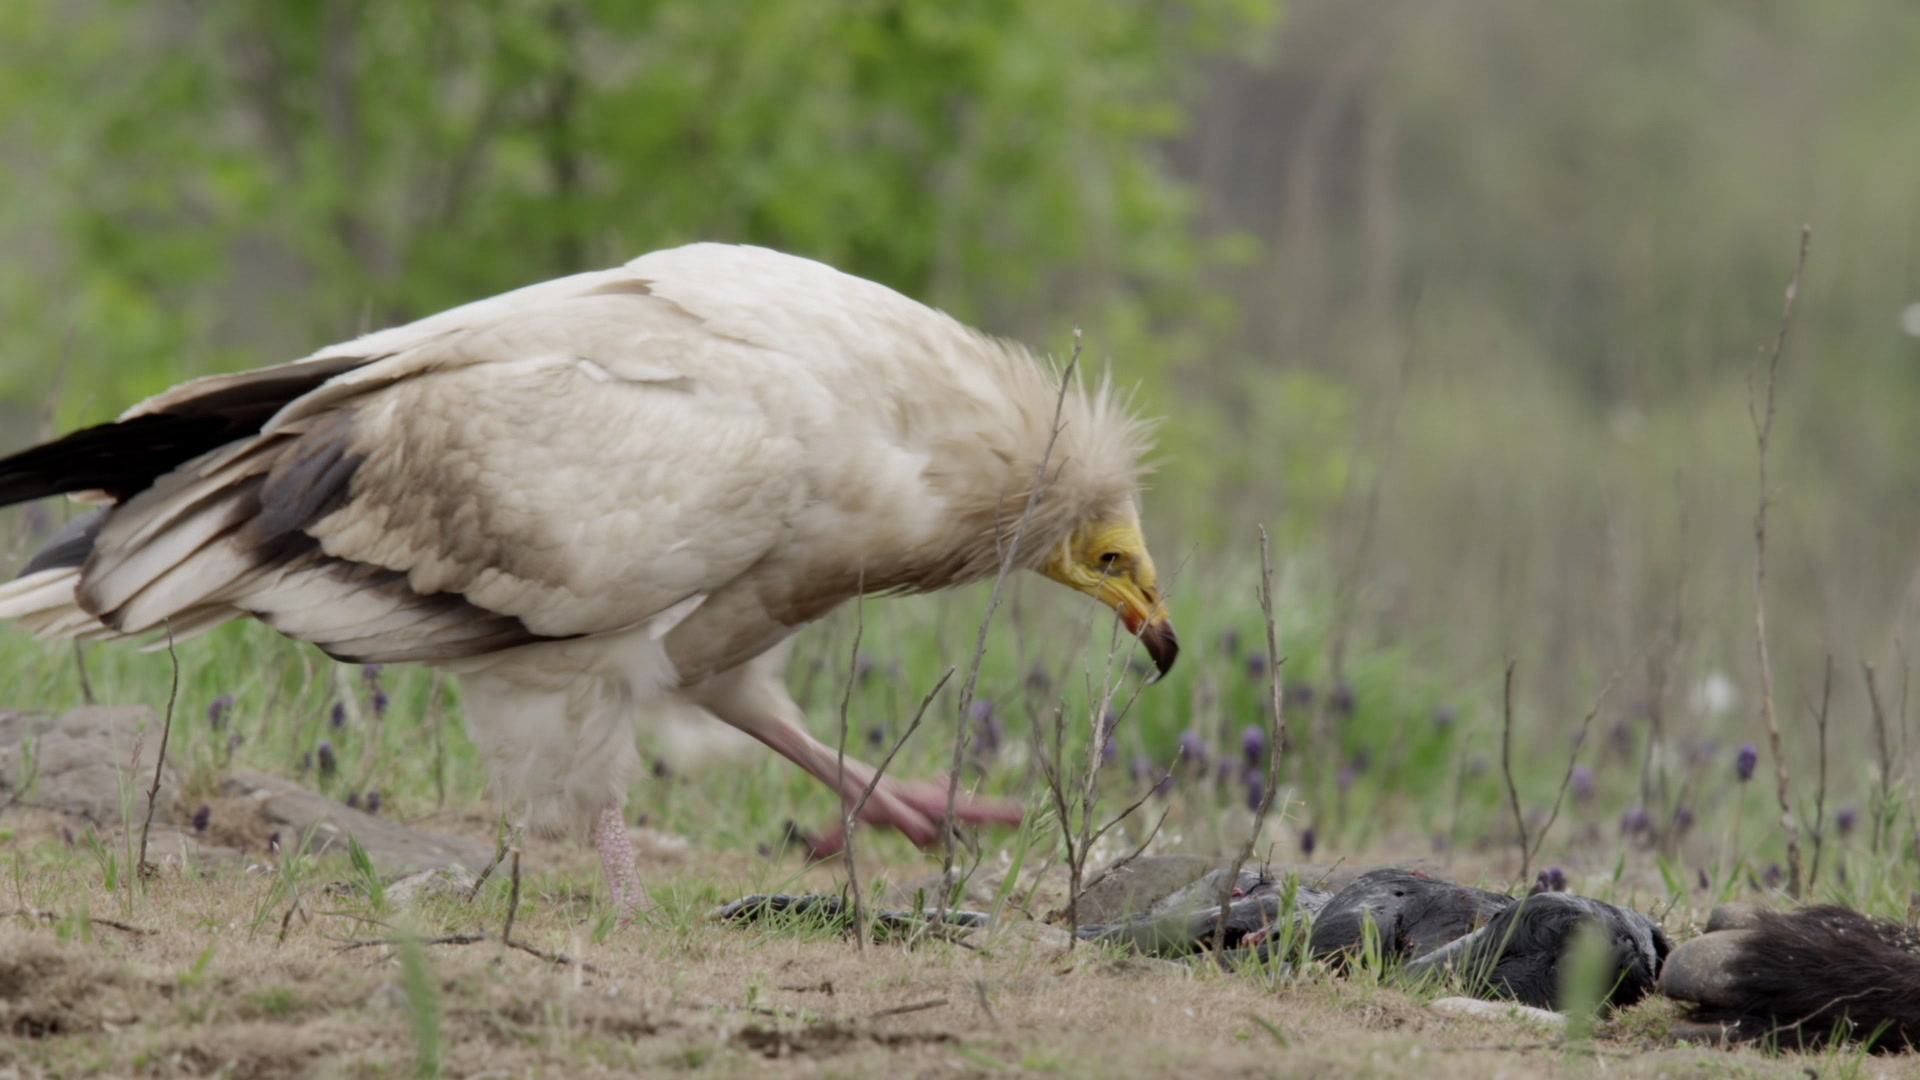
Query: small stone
x=454 y=880
x=1544 y=1019
x=1699 y=971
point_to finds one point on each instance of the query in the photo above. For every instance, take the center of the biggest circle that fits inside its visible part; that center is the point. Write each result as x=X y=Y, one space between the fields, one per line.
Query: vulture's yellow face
x=1109 y=562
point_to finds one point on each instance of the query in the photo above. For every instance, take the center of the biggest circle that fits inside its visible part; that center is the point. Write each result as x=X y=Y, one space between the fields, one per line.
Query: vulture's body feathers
x=592 y=494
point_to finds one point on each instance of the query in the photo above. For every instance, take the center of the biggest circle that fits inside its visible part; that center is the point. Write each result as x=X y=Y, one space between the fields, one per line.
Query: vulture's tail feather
x=126 y=456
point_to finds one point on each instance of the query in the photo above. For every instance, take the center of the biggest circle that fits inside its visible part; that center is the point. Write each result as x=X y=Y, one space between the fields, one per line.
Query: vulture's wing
x=517 y=470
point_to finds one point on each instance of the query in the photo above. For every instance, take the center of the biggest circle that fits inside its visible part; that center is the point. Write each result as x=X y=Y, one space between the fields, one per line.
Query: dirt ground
x=195 y=978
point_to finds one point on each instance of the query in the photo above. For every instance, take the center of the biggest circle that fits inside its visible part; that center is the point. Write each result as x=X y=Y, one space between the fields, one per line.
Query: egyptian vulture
x=613 y=491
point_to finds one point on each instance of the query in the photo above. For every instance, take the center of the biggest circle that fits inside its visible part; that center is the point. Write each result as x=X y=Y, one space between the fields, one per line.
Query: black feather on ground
x=1806 y=977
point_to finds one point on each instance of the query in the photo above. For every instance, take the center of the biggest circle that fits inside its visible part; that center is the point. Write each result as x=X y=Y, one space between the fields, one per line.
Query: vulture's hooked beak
x=1110 y=563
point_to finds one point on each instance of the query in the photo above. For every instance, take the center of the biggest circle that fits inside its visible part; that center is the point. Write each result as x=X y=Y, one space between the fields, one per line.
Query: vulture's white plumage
x=592 y=495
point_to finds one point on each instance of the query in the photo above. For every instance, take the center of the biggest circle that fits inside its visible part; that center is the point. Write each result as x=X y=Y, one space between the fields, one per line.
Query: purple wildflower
x=1552 y=879
x=324 y=755
x=306 y=761
x=1253 y=744
x=1225 y=771
x=862 y=667
x=1256 y=789
x=1193 y=751
x=1341 y=699
x=1771 y=878
x=380 y=701
x=877 y=737
x=1444 y=717
x=1344 y=778
x=217 y=710
x=1582 y=783
x=1746 y=761
x=1109 y=750
x=202 y=818
x=1140 y=768
x=1230 y=641
x=339 y=717
x=1682 y=818
x=353 y=799
x=1038 y=681
x=1307 y=841
x=1634 y=822
x=1163 y=787
x=373 y=802
x=1256 y=666
x=233 y=743
x=1846 y=819
x=371 y=672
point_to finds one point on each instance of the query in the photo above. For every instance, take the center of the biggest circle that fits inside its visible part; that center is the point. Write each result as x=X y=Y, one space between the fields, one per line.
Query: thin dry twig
x=52 y=916
x=1277 y=739
x=513 y=900
x=145 y=868
x=1007 y=557
x=1881 y=799
x=1506 y=766
x=1566 y=780
x=848 y=821
x=1820 y=791
x=1763 y=437
x=918 y=1006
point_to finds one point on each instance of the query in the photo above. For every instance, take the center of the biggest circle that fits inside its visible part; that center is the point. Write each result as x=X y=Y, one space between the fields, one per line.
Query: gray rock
x=1734 y=915
x=454 y=881
x=1142 y=883
x=85 y=764
x=1697 y=970
x=394 y=848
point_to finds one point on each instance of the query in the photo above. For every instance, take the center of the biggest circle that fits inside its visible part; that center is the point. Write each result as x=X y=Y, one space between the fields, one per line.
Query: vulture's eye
x=1108 y=559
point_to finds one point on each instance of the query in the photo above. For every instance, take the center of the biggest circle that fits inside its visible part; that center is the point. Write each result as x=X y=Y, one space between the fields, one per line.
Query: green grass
x=1412 y=766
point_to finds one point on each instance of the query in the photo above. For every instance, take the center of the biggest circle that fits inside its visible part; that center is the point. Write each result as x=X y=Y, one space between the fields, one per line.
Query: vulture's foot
x=610 y=839
x=916 y=809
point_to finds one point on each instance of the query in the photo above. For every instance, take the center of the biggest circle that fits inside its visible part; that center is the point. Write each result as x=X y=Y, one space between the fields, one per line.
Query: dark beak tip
x=1163 y=645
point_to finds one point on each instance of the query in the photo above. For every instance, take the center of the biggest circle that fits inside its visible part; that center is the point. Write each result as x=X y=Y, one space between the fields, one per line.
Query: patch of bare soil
x=198 y=979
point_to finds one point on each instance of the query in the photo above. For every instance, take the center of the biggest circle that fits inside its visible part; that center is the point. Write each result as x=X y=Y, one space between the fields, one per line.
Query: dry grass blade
x=849 y=813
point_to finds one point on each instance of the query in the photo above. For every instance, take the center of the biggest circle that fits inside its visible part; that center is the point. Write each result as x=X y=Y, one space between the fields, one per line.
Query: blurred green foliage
x=212 y=186
x=1459 y=297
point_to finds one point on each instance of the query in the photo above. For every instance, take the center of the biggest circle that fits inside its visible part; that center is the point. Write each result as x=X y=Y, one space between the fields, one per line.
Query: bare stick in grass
x=1760 y=412
x=1506 y=769
x=1820 y=789
x=513 y=900
x=847 y=820
x=1277 y=739
x=1566 y=780
x=1880 y=787
x=859 y=805
x=1007 y=557
x=144 y=867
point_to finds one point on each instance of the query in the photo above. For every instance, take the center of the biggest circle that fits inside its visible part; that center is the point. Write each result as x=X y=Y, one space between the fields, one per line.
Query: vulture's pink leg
x=616 y=857
x=913 y=808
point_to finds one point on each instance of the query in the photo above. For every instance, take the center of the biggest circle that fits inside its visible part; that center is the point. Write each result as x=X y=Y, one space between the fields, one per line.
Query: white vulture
x=588 y=497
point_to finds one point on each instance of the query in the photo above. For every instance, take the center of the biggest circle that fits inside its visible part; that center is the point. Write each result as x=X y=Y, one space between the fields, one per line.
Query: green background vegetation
x=1459 y=298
